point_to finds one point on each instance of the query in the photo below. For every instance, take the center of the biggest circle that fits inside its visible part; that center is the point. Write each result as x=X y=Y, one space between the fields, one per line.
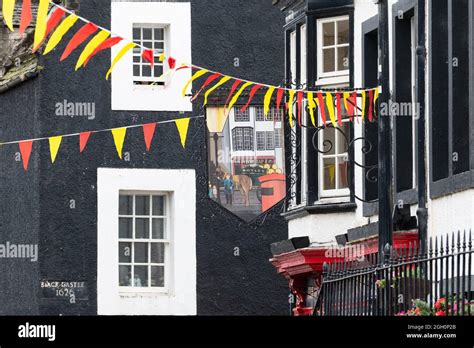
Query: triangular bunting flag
x=41 y=19
x=119 y=138
x=311 y=107
x=290 y=107
x=330 y=105
x=197 y=75
x=148 y=132
x=183 y=126
x=267 y=100
x=53 y=21
x=209 y=80
x=171 y=63
x=364 y=97
x=149 y=56
x=26 y=16
x=232 y=90
x=119 y=56
x=91 y=46
x=216 y=86
x=54 y=144
x=82 y=35
x=59 y=33
x=279 y=98
x=25 y=150
x=109 y=43
x=252 y=94
x=322 y=109
x=8 y=9
x=83 y=139
x=237 y=95
x=339 y=109
x=300 y=106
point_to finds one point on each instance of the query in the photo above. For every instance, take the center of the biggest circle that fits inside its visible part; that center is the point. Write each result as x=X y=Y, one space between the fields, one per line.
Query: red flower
x=441 y=314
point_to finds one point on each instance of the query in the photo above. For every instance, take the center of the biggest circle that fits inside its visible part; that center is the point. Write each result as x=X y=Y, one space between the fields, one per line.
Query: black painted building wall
x=35 y=205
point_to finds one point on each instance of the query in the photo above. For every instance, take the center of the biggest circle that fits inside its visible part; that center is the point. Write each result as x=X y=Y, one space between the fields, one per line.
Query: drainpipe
x=422 y=212
x=385 y=135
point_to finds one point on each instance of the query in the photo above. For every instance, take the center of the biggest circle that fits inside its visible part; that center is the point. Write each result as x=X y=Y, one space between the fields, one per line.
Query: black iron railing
x=405 y=281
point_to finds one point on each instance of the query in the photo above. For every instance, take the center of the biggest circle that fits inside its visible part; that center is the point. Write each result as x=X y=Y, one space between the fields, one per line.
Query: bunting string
x=57 y=23
x=26 y=146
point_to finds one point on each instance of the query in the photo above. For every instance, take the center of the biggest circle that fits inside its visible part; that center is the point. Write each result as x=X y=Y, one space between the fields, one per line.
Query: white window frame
x=181 y=295
x=167 y=241
x=270 y=141
x=137 y=53
x=337 y=193
x=336 y=76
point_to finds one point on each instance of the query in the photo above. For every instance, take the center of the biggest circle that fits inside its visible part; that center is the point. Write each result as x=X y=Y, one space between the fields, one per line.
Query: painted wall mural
x=246 y=159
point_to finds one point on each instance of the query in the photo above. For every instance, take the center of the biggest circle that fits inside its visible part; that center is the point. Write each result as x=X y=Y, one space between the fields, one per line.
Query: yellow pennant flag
x=312 y=107
x=216 y=86
x=91 y=46
x=192 y=79
x=364 y=98
x=59 y=33
x=290 y=107
x=376 y=96
x=183 y=126
x=119 y=56
x=237 y=95
x=41 y=20
x=162 y=57
x=119 y=138
x=347 y=95
x=7 y=9
x=267 y=100
x=54 y=144
x=332 y=112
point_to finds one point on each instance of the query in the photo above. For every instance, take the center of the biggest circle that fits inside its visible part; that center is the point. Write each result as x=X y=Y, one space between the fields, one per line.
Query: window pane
x=125 y=228
x=136 y=70
x=158 y=276
x=142 y=205
x=158 y=70
x=125 y=252
x=158 y=206
x=141 y=252
x=136 y=34
x=125 y=205
x=159 y=46
x=157 y=253
x=329 y=59
x=148 y=44
x=343 y=58
x=141 y=276
x=146 y=70
x=328 y=32
x=329 y=141
x=270 y=141
x=137 y=59
x=147 y=34
x=159 y=34
x=142 y=228
x=158 y=229
x=125 y=273
x=343 y=32
x=329 y=174
x=343 y=146
x=342 y=177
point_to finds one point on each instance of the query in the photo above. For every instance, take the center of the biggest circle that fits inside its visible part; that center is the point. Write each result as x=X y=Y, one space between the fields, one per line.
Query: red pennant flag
x=253 y=91
x=148 y=132
x=25 y=150
x=322 y=108
x=149 y=56
x=86 y=31
x=354 y=106
x=300 y=106
x=371 y=105
x=279 y=98
x=339 y=108
x=172 y=62
x=53 y=21
x=83 y=139
x=109 y=43
x=209 y=80
x=232 y=90
x=25 y=15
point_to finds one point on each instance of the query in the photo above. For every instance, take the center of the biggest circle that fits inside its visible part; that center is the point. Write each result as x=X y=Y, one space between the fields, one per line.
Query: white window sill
x=333 y=80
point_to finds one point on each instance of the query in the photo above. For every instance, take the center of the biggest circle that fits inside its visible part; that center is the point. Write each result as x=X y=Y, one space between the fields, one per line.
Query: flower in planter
x=440 y=313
